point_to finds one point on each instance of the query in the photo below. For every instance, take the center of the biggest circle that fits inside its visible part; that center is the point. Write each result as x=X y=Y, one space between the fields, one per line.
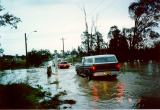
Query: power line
x=100 y=3
x=108 y=6
x=100 y=7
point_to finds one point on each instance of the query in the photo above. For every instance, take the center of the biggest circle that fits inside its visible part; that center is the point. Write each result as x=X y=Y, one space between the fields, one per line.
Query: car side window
x=105 y=59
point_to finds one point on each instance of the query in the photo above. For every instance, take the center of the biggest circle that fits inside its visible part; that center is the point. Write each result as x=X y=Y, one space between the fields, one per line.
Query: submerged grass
x=23 y=96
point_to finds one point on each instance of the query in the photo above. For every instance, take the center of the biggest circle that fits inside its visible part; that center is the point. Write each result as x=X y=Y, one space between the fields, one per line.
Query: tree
x=92 y=42
x=118 y=44
x=86 y=36
x=85 y=42
x=81 y=52
x=74 y=52
x=144 y=13
x=99 y=44
x=156 y=51
x=154 y=35
x=7 y=19
x=1 y=51
x=113 y=32
x=35 y=58
x=128 y=33
x=98 y=41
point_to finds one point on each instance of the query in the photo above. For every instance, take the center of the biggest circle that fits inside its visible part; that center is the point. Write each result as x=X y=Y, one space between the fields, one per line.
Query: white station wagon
x=98 y=65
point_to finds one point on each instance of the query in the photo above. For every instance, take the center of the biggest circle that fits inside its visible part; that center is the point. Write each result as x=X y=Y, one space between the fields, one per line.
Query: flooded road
x=137 y=86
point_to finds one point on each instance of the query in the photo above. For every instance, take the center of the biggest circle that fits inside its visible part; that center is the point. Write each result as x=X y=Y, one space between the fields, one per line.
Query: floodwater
x=137 y=86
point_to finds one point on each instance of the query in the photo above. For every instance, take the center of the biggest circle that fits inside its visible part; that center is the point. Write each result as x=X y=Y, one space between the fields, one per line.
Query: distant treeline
x=9 y=61
x=34 y=58
x=127 y=55
x=37 y=57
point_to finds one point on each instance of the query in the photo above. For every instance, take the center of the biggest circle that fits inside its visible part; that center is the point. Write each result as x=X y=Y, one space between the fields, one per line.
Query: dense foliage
x=145 y=14
x=36 y=58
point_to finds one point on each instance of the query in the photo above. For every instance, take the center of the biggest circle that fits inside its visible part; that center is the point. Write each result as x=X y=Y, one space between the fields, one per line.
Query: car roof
x=96 y=56
x=63 y=60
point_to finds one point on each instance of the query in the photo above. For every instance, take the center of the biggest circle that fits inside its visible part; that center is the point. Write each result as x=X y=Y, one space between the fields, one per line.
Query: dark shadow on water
x=106 y=78
x=101 y=78
x=18 y=96
x=148 y=103
x=23 y=96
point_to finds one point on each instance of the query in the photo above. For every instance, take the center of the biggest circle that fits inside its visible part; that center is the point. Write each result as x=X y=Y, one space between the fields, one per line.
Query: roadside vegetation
x=23 y=96
x=35 y=59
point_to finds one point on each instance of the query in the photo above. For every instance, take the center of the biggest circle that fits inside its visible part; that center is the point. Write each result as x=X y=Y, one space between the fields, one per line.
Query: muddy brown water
x=137 y=86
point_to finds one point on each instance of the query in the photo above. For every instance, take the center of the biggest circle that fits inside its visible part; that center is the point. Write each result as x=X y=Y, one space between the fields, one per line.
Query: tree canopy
x=144 y=13
x=7 y=19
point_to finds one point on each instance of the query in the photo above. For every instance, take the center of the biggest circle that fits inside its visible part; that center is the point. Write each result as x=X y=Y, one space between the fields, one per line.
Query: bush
x=36 y=58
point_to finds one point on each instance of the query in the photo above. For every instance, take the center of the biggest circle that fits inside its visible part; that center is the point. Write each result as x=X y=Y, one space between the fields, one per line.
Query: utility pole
x=26 y=48
x=25 y=36
x=63 y=45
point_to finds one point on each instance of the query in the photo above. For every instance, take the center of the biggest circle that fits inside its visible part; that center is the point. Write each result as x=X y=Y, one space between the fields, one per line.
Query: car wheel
x=114 y=76
x=77 y=73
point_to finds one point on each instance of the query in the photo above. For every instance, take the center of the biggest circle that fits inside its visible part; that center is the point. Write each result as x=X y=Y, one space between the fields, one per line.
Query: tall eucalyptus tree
x=145 y=14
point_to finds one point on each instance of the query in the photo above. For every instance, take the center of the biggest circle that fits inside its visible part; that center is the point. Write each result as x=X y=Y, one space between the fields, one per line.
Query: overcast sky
x=54 y=19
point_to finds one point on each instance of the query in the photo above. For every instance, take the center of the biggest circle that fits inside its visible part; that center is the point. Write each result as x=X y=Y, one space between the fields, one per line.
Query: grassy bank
x=23 y=96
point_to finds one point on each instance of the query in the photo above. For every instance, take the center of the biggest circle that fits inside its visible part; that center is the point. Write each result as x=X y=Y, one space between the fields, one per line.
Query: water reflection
x=57 y=81
x=109 y=94
x=101 y=91
x=120 y=87
x=95 y=96
x=152 y=68
x=95 y=93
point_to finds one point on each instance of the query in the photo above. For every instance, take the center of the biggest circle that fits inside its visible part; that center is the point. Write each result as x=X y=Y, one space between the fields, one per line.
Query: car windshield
x=105 y=59
x=63 y=62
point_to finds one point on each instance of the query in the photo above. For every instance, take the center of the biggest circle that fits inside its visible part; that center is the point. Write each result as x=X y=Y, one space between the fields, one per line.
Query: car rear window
x=88 y=61
x=105 y=59
x=63 y=62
